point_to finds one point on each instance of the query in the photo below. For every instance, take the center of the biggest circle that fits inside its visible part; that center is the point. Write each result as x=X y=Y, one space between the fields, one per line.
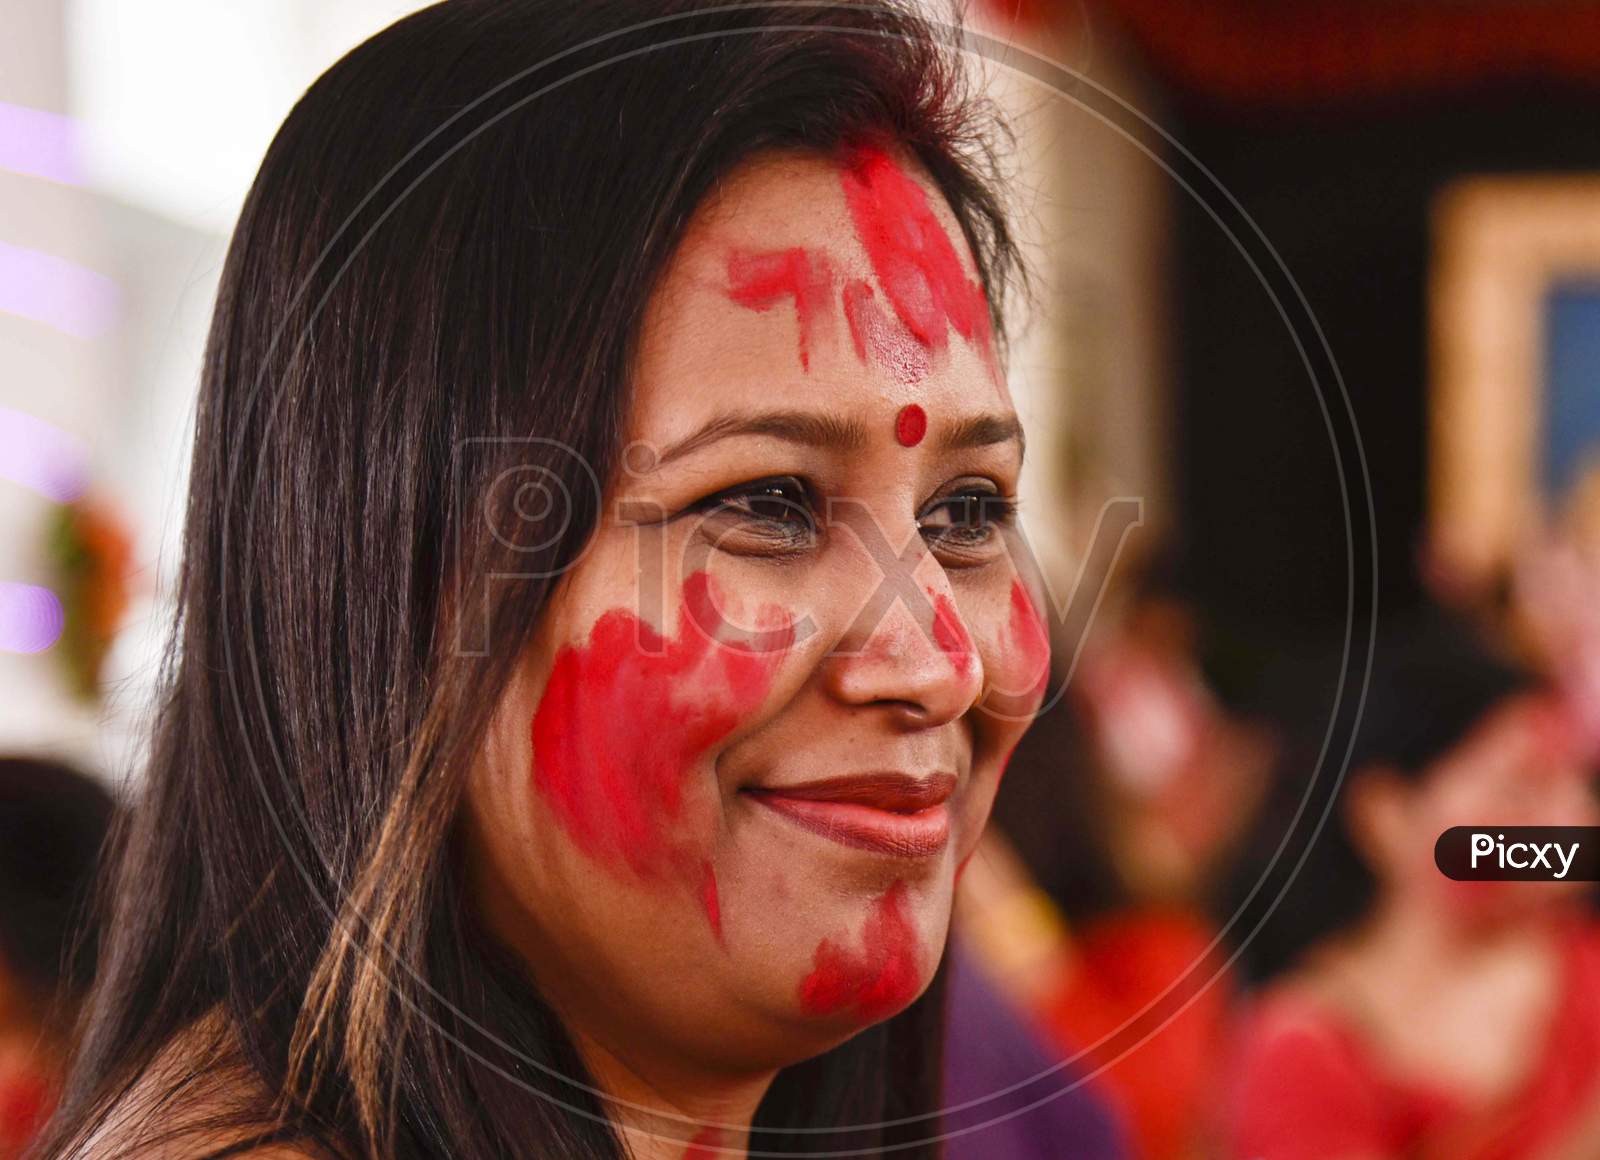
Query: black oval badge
x=1519 y=853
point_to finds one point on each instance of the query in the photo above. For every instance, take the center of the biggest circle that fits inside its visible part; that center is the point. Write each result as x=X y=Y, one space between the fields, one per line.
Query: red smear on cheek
x=876 y=982
x=1005 y=764
x=961 y=866
x=890 y=343
x=1029 y=638
x=760 y=280
x=709 y=899
x=910 y=425
x=706 y=1145
x=951 y=634
x=623 y=720
x=916 y=263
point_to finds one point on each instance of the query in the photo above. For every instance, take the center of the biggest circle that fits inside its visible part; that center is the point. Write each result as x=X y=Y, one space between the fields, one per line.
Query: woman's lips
x=892 y=813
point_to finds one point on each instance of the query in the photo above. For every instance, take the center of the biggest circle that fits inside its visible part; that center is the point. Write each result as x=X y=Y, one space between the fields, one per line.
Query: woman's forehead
x=774 y=296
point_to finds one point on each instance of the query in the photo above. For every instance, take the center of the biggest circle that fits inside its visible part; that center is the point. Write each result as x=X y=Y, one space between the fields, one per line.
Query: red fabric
x=1276 y=54
x=1122 y=966
x=1304 y=1087
x=26 y=1101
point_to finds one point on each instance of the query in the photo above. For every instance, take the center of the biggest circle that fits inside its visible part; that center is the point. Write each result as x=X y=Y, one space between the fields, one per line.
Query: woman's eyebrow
x=983 y=430
x=821 y=429
x=812 y=428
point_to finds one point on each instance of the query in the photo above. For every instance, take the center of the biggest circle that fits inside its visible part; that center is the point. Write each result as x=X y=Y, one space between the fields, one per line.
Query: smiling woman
x=601 y=638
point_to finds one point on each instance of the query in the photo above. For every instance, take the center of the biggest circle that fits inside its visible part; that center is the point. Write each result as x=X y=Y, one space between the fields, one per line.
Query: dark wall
x=1344 y=197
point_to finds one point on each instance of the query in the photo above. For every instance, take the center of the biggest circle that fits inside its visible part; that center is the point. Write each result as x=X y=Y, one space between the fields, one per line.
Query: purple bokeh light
x=39 y=144
x=30 y=617
x=56 y=292
x=40 y=457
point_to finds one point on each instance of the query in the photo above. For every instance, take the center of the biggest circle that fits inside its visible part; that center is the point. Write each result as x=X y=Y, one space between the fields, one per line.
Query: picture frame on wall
x=1515 y=357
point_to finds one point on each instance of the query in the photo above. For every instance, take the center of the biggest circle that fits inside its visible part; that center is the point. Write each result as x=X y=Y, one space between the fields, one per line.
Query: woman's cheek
x=951 y=635
x=627 y=717
x=1016 y=662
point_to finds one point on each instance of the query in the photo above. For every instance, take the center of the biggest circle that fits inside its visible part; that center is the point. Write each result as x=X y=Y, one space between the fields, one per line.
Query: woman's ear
x=1377 y=816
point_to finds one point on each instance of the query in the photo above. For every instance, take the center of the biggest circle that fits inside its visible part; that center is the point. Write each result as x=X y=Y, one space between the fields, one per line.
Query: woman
x=1409 y=1015
x=600 y=639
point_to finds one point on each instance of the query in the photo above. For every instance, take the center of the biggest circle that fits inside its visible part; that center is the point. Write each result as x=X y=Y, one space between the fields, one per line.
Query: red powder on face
x=950 y=634
x=1029 y=639
x=760 y=280
x=916 y=263
x=709 y=899
x=875 y=983
x=706 y=1145
x=910 y=425
x=623 y=720
x=1005 y=763
x=961 y=866
x=888 y=341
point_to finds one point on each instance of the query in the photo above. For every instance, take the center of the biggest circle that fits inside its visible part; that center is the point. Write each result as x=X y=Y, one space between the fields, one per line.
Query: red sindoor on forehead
x=759 y=280
x=910 y=425
x=916 y=262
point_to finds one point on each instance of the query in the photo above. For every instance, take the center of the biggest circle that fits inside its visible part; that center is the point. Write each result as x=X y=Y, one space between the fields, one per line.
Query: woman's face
x=724 y=803
x=1519 y=766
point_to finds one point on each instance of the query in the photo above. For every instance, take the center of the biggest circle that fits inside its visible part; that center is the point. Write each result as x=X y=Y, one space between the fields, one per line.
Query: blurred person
x=1541 y=604
x=1404 y=1014
x=1554 y=615
x=1089 y=901
x=537 y=774
x=53 y=823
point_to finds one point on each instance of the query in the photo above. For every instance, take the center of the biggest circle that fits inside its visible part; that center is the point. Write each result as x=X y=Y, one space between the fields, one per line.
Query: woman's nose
x=915 y=660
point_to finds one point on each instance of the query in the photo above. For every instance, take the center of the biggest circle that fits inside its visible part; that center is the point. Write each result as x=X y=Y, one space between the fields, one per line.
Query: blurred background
x=1428 y=175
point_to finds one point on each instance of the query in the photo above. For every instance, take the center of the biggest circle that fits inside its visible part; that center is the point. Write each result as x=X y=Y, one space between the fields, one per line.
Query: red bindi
x=910 y=425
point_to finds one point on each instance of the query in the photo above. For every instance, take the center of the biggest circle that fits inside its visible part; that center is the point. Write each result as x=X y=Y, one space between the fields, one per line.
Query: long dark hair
x=431 y=300
x=1433 y=679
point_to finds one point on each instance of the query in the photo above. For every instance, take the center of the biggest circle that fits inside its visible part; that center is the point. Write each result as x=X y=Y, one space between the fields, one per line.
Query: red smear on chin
x=910 y=425
x=872 y=331
x=1029 y=639
x=760 y=280
x=876 y=982
x=624 y=719
x=950 y=634
x=914 y=259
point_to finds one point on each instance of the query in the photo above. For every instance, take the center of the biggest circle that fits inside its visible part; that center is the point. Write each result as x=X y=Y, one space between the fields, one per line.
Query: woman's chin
x=833 y=947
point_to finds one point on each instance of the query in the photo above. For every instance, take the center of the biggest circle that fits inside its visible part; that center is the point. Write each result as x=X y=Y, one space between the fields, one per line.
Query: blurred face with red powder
x=1521 y=765
x=724 y=802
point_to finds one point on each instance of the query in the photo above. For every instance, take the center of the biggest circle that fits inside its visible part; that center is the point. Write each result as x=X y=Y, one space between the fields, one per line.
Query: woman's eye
x=771 y=500
x=776 y=514
x=968 y=520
